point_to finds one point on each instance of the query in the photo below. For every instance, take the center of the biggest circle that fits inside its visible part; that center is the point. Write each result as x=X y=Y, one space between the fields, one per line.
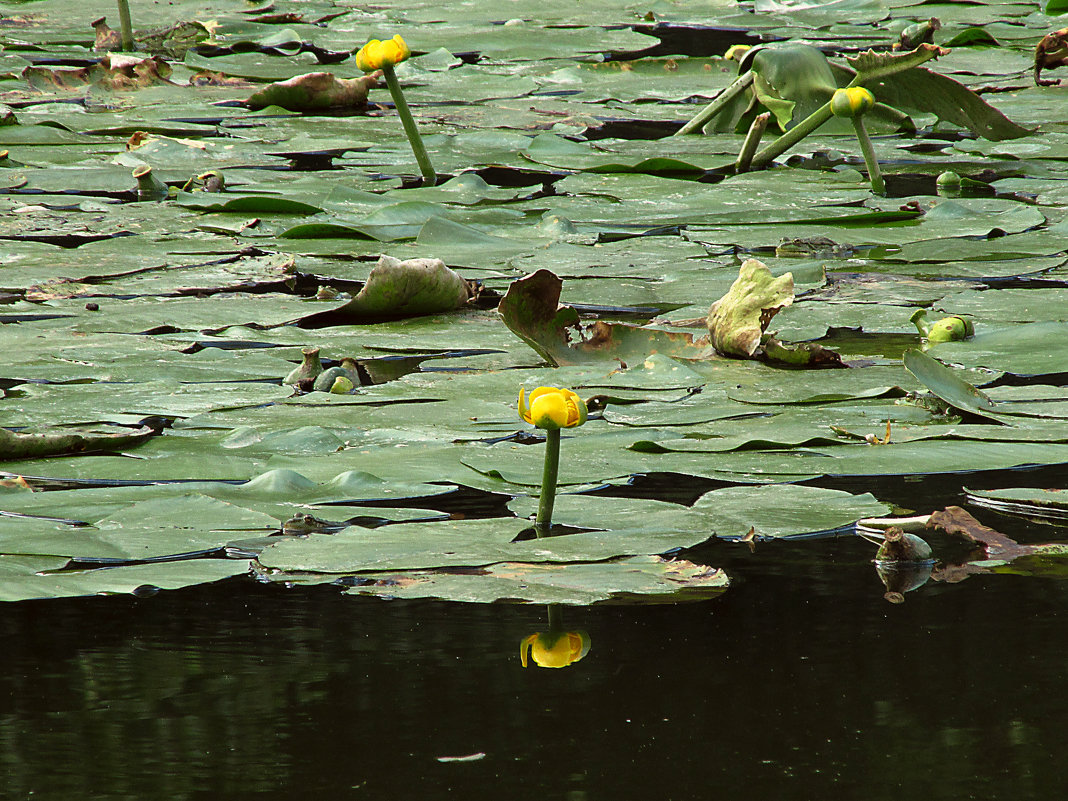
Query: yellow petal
x=549 y=410
x=524 y=647
x=552 y=652
x=400 y=48
x=852 y=101
x=365 y=56
x=524 y=410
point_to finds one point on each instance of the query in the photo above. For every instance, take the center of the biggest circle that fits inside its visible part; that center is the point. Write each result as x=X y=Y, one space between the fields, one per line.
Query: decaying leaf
x=737 y=321
x=1051 y=52
x=799 y=354
x=531 y=309
x=1001 y=553
x=171 y=40
x=955 y=520
x=115 y=71
x=212 y=78
x=315 y=90
x=15 y=445
x=107 y=38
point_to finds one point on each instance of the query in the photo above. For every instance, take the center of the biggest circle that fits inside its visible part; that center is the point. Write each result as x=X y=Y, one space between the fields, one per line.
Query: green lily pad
x=785 y=510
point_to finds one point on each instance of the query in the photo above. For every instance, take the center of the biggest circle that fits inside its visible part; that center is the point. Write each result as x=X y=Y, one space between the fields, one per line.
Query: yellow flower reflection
x=552 y=407
x=375 y=54
x=554 y=649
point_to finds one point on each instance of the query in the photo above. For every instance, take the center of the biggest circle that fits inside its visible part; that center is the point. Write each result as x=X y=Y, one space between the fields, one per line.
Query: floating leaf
x=635 y=580
x=946 y=385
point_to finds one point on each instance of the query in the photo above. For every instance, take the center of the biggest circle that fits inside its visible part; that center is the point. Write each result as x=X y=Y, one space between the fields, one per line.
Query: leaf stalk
x=878 y=185
x=125 y=26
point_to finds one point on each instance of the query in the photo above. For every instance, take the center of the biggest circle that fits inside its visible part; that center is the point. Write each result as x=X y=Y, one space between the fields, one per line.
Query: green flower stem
x=125 y=26
x=430 y=177
x=752 y=141
x=793 y=136
x=878 y=185
x=544 y=521
x=712 y=109
x=556 y=619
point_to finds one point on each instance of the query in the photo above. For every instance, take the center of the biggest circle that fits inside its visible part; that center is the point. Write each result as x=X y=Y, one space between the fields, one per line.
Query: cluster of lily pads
x=177 y=240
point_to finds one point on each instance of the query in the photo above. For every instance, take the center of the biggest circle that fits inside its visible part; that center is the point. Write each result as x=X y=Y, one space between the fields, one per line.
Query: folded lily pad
x=314 y=90
x=59 y=442
x=407 y=288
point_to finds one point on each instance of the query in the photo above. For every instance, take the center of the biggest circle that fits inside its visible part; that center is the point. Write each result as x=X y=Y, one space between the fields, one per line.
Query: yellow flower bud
x=852 y=102
x=551 y=407
x=554 y=650
x=375 y=54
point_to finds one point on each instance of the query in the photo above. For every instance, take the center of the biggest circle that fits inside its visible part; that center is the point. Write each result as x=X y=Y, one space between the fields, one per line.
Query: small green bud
x=948 y=180
x=950 y=329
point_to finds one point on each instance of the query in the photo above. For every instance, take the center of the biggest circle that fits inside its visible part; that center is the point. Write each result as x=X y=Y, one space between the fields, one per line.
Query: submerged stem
x=125 y=26
x=878 y=185
x=544 y=521
x=430 y=178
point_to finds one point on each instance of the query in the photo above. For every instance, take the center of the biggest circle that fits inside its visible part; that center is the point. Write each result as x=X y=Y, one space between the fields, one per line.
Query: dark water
x=800 y=682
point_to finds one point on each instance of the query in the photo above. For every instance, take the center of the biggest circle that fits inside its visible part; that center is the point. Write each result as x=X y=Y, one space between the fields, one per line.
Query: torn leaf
x=531 y=309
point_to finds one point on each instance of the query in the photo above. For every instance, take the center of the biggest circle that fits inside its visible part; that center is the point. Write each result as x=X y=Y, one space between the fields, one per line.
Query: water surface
x=800 y=682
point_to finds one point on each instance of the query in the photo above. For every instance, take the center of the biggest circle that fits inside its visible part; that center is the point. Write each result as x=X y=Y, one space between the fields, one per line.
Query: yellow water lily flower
x=375 y=54
x=559 y=650
x=852 y=102
x=552 y=407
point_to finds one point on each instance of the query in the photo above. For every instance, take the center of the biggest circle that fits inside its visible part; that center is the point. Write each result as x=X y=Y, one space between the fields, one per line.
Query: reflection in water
x=240 y=692
x=902 y=577
x=903 y=562
x=554 y=648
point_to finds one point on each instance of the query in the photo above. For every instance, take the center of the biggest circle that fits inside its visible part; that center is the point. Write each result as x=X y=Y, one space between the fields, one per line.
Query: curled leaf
x=315 y=90
x=737 y=321
x=16 y=445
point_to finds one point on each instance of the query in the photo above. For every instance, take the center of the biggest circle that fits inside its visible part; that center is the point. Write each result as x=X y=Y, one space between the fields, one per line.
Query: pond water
x=800 y=681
